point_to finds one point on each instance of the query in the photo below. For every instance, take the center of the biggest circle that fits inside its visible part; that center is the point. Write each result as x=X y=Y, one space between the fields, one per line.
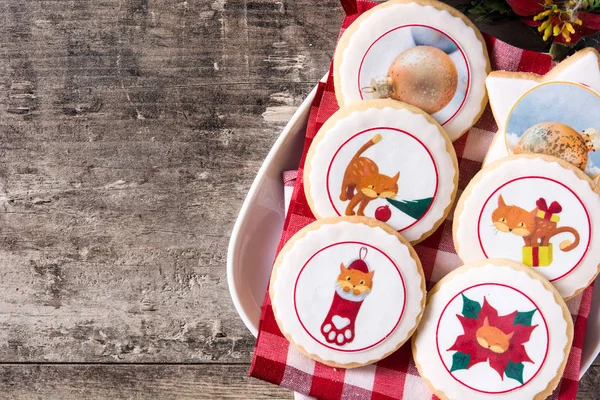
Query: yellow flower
x=558 y=19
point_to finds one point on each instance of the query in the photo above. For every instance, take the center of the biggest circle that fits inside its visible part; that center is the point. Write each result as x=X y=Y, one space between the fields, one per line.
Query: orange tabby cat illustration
x=534 y=230
x=363 y=183
x=360 y=283
x=352 y=286
x=493 y=338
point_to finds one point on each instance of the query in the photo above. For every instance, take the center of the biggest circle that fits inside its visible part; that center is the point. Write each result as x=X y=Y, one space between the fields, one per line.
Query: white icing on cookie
x=492 y=330
x=535 y=211
x=568 y=94
x=359 y=258
x=397 y=150
x=376 y=56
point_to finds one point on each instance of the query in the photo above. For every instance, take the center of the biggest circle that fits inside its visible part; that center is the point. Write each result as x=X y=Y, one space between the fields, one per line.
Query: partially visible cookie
x=347 y=291
x=386 y=160
x=537 y=210
x=555 y=114
x=493 y=328
x=421 y=52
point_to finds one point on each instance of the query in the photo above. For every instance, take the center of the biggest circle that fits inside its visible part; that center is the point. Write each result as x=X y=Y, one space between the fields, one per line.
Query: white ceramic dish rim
x=295 y=126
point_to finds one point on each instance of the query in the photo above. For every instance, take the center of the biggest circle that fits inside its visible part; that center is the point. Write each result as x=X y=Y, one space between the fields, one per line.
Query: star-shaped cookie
x=556 y=114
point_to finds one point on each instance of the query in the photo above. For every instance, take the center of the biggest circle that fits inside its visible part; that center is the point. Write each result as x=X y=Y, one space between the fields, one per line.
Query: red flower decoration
x=557 y=19
x=467 y=343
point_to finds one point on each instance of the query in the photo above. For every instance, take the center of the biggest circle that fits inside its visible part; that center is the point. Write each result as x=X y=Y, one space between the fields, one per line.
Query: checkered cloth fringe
x=396 y=376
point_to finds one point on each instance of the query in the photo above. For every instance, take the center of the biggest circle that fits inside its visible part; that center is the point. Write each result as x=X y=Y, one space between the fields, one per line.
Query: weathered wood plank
x=165 y=382
x=98 y=381
x=129 y=134
x=588 y=386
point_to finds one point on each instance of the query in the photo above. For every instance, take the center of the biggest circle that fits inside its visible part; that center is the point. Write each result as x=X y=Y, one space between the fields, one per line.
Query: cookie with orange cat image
x=493 y=328
x=537 y=210
x=347 y=291
x=385 y=160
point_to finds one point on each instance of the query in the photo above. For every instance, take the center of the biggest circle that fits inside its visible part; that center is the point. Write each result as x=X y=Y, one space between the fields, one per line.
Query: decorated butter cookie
x=535 y=209
x=386 y=160
x=347 y=291
x=493 y=329
x=422 y=52
x=556 y=114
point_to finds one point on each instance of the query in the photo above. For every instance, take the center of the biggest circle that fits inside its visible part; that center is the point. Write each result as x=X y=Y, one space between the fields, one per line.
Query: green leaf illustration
x=413 y=208
x=470 y=308
x=460 y=361
x=524 y=318
x=514 y=371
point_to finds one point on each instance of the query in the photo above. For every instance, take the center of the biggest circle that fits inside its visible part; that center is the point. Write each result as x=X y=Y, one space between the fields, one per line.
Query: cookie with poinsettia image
x=347 y=291
x=421 y=52
x=493 y=329
x=386 y=160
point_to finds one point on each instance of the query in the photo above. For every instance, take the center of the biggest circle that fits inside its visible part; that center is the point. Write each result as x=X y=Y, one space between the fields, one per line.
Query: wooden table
x=130 y=132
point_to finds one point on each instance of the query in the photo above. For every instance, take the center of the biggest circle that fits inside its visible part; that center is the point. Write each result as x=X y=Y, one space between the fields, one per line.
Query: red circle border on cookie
x=437 y=180
x=509 y=287
x=443 y=33
x=548 y=179
x=386 y=335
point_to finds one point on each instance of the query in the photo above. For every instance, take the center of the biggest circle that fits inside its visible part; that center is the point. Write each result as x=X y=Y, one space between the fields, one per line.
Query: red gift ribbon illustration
x=554 y=208
x=535 y=256
x=338 y=326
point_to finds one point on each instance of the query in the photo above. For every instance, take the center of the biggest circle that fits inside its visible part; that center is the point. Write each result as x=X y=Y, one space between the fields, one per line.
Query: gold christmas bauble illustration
x=559 y=140
x=423 y=76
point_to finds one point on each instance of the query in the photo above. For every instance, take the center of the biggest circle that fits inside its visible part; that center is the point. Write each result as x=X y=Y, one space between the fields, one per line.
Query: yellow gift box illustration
x=547 y=216
x=539 y=256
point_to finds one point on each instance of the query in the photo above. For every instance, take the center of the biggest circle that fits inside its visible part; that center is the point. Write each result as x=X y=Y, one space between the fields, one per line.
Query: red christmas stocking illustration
x=352 y=287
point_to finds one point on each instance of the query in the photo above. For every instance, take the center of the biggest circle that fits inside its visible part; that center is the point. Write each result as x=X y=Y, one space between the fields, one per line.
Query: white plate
x=258 y=228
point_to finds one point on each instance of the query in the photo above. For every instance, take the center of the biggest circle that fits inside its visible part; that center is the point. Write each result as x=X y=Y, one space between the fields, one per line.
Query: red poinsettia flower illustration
x=565 y=21
x=494 y=338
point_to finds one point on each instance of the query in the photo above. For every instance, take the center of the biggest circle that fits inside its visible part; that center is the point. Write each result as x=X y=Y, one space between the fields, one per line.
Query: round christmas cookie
x=535 y=209
x=493 y=329
x=554 y=114
x=421 y=52
x=383 y=159
x=347 y=291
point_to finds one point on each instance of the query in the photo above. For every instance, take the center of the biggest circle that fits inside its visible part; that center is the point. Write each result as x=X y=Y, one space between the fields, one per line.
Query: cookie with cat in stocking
x=347 y=291
x=386 y=160
x=538 y=210
x=493 y=329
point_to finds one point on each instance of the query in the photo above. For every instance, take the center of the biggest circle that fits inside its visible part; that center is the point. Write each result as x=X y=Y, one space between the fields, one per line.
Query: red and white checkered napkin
x=396 y=376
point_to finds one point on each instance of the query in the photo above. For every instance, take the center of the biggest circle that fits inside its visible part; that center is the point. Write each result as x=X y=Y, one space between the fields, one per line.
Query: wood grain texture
x=130 y=132
x=103 y=381
x=132 y=382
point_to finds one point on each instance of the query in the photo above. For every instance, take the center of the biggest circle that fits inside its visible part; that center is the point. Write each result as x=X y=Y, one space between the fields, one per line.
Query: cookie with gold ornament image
x=493 y=328
x=555 y=114
x=386 y=160
x=537 y=210
x=347 y=291
x=422 y=52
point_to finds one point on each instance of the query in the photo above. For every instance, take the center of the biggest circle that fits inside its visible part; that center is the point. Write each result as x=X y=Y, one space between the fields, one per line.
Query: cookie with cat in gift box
x=347 y=291
x=538 y=210
x=386 y=160
x=493 y=328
